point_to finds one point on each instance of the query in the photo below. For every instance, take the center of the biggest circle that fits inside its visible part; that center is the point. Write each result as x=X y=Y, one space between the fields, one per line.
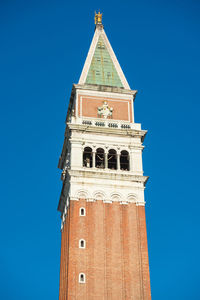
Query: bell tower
x=104 y=251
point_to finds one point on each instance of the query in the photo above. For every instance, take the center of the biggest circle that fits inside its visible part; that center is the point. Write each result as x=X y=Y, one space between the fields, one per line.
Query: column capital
x=118 y=150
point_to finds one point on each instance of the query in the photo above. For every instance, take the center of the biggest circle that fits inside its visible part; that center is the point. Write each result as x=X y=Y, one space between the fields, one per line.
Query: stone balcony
x=106 y=123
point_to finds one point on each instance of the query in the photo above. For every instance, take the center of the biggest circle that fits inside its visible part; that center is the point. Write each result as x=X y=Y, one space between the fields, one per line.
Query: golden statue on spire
x=98 y=18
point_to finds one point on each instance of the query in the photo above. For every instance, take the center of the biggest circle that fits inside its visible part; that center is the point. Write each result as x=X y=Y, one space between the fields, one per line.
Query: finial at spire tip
x=98 y=18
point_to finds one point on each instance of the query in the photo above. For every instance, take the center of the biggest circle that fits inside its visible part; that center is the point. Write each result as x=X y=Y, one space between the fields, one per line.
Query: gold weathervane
x=98 y=18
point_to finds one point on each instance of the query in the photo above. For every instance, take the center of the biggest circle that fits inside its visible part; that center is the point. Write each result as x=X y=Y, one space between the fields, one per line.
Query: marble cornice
x=104 y=88
x=108 y=174
x=106 y=130
x=87 y=142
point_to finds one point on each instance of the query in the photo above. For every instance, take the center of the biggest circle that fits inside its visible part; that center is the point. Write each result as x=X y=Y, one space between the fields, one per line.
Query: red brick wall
x=88 y=105
x=144 y=252
x=115 y=260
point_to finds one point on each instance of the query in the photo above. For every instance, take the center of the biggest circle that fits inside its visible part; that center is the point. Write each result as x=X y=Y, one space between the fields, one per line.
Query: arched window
x=100 y=158
x=81 y=278
x=112 y=159
x=82 y=211
x=82 y=243
x=124 y=161
x=87 y=157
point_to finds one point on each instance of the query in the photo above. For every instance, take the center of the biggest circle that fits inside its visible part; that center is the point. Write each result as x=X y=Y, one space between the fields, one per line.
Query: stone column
x=93 y=158
x=106 y=160
x=118 y=161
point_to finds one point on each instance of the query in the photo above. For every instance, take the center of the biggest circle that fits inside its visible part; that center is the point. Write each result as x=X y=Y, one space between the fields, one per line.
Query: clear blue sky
x=43 y=48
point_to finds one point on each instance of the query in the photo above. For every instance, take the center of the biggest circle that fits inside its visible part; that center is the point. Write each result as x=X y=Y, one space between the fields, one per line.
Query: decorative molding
x=90 y=200
x=106 y=147
x=74 y=198
x=105 y=92
x=116 y=197
x=99 y=195
x=108 y=130
x=107 y=201
x=124 y=202
x=104 y=89
x=131 y=197
x=82 y=194
x=109 y=197
x=140 y=203
x=133 y=148
x=107 y=174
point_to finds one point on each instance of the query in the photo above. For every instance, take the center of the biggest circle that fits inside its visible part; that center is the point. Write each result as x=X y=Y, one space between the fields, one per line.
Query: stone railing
x=106 y=123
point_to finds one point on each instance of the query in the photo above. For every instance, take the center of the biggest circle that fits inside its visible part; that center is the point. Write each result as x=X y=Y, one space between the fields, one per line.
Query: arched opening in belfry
x=100 y=158
x=112 y=159
x=87 y=157
x=124 y=161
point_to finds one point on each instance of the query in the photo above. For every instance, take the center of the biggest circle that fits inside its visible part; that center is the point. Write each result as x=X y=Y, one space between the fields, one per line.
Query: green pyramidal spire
x=102 y=70
x=101 y=66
